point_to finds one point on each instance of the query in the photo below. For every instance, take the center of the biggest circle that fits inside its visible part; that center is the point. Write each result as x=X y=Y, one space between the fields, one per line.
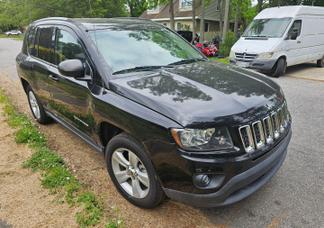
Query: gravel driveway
x=293 y=198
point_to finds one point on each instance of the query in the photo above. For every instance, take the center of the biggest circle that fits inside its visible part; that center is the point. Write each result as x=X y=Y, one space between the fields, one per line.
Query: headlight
x=265 y=55
x=232 y=55
x=203 y=139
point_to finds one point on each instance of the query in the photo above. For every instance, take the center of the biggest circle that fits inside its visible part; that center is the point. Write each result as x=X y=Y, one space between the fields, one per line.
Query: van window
x=45 y=44
x=67 y=47
x=295 y=30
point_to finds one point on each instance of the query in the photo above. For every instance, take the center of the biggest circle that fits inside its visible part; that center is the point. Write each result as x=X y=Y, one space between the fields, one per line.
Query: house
x=183 y=16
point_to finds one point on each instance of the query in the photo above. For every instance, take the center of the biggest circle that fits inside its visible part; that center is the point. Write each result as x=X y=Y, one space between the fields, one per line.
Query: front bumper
x=262 y=65
x=239 y=186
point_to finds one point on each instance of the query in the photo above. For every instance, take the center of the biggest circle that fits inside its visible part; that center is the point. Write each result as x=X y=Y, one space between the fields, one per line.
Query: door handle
x=298 y=42
x=53 y=77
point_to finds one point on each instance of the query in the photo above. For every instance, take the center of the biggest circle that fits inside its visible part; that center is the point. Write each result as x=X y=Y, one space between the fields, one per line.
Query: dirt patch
x=23 y=202
x=89 y=167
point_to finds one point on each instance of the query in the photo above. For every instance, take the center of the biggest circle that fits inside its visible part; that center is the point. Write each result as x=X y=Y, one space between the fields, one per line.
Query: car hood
x=256 y=45
x=200 y=93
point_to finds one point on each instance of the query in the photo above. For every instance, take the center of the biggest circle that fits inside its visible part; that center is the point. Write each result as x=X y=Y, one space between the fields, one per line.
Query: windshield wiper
x=184 y=61
x=138 y=68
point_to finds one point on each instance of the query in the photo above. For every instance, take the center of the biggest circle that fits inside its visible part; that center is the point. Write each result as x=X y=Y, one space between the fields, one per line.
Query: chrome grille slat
x=266 y=130
x=247 y=138
x=258 y=134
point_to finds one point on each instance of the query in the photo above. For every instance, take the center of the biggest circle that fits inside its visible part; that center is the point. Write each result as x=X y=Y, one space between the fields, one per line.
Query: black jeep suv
x=168 y=121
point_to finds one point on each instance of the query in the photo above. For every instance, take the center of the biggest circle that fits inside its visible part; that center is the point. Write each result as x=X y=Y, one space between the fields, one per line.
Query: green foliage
x=226 y=46
x=55 y=175
x=43 y=159
x=19 y=13
x=114 y=223
x=137 y=7
x=92 y=210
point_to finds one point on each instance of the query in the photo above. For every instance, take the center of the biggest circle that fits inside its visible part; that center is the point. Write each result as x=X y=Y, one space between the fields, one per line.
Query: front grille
x=266 y=131
x=247 y=57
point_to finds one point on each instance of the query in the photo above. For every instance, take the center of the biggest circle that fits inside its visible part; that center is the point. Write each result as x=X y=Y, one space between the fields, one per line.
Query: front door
x=294 y=44
x=71 y=98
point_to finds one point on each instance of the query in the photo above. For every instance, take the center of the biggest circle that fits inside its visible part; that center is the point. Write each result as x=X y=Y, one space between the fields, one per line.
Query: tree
x=226 y=19
x=136 y=7
x=171 y=2
x=193 y=20
x=202 y=21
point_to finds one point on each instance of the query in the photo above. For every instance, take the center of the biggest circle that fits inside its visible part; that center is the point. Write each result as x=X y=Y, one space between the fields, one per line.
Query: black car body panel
x=148 y=104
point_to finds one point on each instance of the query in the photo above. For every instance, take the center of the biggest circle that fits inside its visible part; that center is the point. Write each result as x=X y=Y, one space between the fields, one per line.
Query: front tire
x=320 y=62
x=279 y=68
x=36 y=107
x=132 y=172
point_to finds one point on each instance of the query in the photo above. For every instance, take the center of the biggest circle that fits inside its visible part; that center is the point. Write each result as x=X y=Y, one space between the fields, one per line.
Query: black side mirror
x=72 y=68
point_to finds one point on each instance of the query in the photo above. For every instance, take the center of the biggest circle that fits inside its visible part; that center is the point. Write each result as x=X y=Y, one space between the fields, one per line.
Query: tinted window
x=45 y=41
x=67 y=47
x=31 y=41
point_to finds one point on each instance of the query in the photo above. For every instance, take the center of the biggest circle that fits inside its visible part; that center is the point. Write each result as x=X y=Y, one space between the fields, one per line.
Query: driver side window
x=67 y=47
x=295 y=30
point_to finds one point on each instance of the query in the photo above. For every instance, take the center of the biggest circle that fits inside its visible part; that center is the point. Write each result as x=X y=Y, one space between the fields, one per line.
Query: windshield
x=270 y=27
x=128 y=48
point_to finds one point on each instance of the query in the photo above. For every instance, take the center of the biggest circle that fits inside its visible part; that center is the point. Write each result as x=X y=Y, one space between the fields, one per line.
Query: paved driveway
x=295 y=196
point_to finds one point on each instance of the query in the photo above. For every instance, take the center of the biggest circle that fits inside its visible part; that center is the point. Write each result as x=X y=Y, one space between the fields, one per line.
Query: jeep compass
x=169 y=122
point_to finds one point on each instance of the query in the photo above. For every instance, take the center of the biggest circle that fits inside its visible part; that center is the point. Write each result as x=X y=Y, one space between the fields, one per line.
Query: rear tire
x=320 y=62
x=36 y=107
x=279 y=68
x=136 y=178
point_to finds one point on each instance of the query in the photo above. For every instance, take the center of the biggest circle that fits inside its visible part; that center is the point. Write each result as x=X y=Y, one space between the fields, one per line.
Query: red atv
x=208 y=49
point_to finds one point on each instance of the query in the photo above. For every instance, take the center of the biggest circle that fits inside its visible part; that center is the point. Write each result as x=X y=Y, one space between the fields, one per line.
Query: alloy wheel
x=130 y=172
x=34 y=104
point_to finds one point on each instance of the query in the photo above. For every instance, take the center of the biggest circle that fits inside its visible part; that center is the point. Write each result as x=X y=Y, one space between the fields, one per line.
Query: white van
x=279 y=37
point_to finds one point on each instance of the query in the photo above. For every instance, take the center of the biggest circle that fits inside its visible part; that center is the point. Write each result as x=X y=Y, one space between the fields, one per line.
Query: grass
x=16 y=37
x=221 y=60
x=55 y=175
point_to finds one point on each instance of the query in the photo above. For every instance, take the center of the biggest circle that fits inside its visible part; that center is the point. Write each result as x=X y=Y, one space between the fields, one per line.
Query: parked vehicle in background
x=279 y=37
x=208 y=49
x=169 y=121
x=188 y=35
x=13 y=32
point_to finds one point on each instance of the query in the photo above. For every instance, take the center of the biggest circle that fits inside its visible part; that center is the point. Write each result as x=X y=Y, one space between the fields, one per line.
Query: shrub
x=227 y=44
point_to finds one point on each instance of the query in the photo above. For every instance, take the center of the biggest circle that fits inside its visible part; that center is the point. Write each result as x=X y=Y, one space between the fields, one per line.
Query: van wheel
x=279 y=68
x=320 y=62
x=36 y=107
x=132 y=172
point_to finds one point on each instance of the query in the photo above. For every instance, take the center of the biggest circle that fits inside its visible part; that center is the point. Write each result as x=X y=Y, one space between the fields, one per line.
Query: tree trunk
x=202 y=22
x=221 y=18
x=226 y=19
x=193 y=20
x=259 y=7
x=237 y=17
x=172 y=15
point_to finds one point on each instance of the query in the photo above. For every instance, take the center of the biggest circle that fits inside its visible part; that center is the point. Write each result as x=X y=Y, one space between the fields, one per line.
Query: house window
x=185 y=4
x=206 y=27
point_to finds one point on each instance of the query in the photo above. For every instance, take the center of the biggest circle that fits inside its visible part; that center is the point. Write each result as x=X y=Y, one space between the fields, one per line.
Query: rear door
x=41 y=53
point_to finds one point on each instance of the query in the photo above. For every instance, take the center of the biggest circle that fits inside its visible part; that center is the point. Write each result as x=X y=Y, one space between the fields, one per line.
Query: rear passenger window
x=31 y=41
x=45 y=44
x=67 y=47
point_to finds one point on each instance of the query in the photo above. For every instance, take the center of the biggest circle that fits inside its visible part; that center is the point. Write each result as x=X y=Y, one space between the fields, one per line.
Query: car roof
x=100 y=23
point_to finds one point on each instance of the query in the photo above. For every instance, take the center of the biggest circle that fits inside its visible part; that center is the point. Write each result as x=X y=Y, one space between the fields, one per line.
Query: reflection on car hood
x=201 y=92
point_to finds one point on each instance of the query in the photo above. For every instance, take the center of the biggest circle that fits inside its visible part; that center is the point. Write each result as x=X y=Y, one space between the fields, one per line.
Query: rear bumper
x=241 y=185
x=263 y=65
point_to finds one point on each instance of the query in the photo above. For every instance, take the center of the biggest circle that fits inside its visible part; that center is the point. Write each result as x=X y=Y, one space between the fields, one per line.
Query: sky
x=254 y=2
